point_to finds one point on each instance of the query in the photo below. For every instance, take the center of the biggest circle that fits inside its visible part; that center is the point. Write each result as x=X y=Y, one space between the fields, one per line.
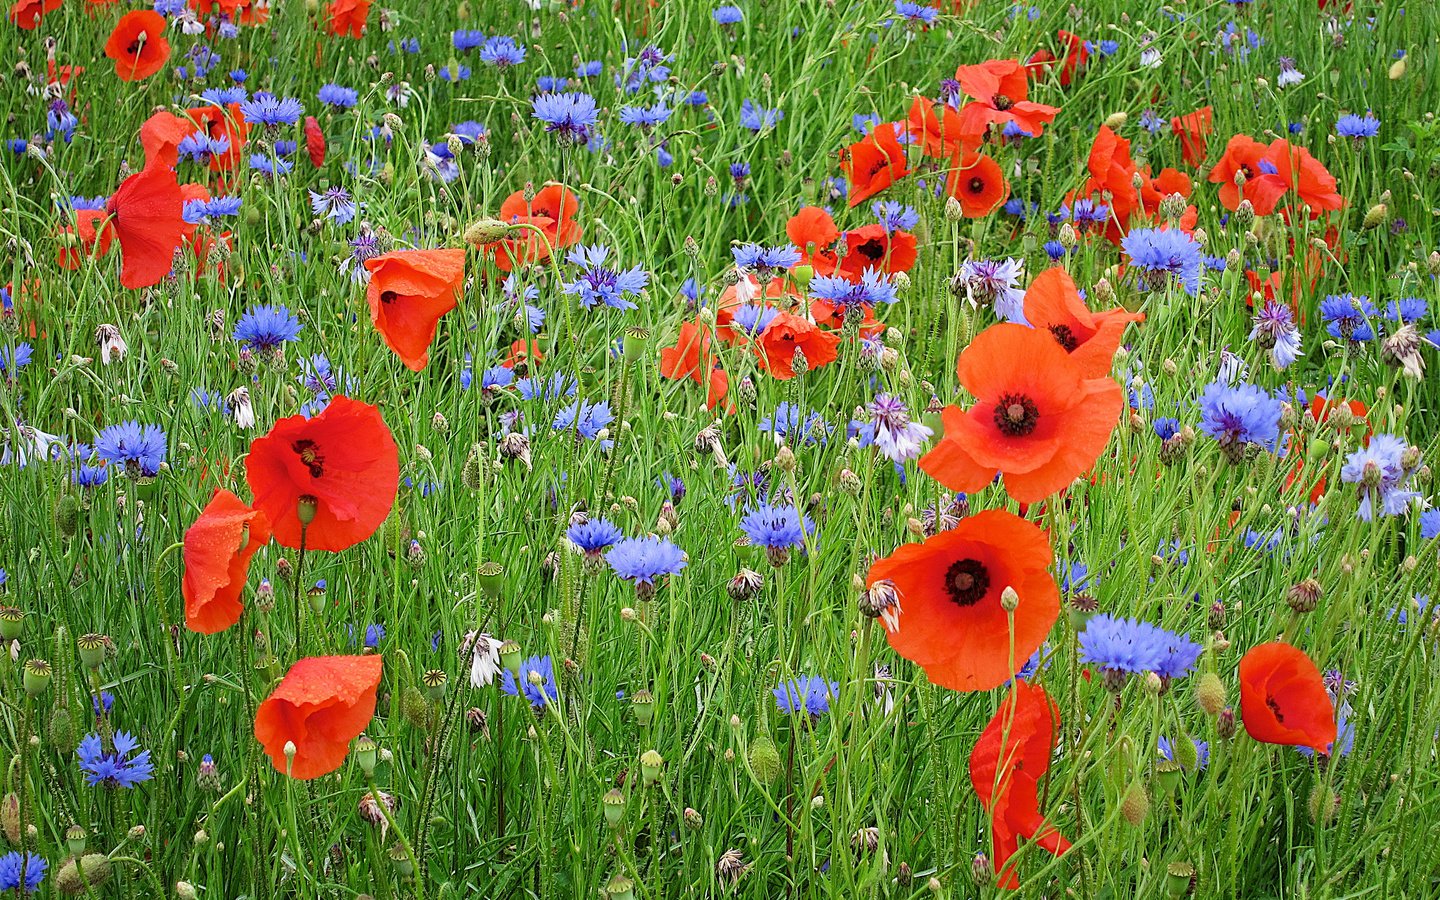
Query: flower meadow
x=655 y=449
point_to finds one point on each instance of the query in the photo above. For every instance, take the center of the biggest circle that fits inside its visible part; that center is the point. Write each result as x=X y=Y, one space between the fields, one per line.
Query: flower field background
x=777 y=450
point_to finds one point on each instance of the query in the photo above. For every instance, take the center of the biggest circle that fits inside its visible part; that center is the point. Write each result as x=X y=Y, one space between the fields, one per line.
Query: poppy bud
x=612 y=805
x=80 y=875
x=184 y=890
x=1116 y=121
x=67 y=515
x=62 y=728
x=1135 y=805
x=764 y=759
x=1397 y=68
x=1375 y=216
x=954 y=212
x=1324 y=804
x=1009 y=599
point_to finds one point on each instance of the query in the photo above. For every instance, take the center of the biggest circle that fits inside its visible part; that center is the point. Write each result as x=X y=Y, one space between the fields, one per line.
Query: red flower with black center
x=138 y=45
x=693 y=358
x=1263 y=185
x=340 y=469
x=787 y=333
x=873 y=163
x=552 y=211
x=1054 y=306
x=408 y=293
x=977 y=182
x=1283 y=698
x=147 y=214
x=217 y=552
x=27 y=14
x=1001 y=95
x=872 y=247
x=951 y=622
x=1038 y=419
x=1010 y=757
x=320 y=706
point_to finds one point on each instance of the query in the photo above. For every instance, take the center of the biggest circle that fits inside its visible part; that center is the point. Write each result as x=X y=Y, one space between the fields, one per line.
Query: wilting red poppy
x=227 y=123
x=138 y=45
x=977 y=182
x=85 y=238
x=1263 y=184
x=27 y=14
x=321 y=705
x=940 y=136
x=348 y=17
x=1283 y=698
x=314 y=142
x=146 y=214
x=342 y=465
x=787 y=333
x=217 y=552
x=872 y=247
x=1010 y=757
x=409 y=291
x=873 y=163
x=812 y=231
x=1000 y=91
x=552 y=211
x=951 y=622
x=1193 y=130
x=693 y=358
x=1038 y=418
x=1053 y=305
x=1305 y=175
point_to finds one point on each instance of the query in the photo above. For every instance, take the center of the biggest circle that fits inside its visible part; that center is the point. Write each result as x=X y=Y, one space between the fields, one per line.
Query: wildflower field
x=655 y=449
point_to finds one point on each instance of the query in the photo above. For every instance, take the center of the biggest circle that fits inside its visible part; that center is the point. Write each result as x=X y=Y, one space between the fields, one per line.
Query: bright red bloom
x=314 y=142
x=1193 y=130
x=524 y=356
x=1262 y=188
x=693 y=358
x=1054 y=305
x=86 y=238
x=872 y=247
x=217 y=552
x=1112 y=169
x=873 y=163
x=787 y=333
x=1283 y=698
x=138 y=45
x=321 y=705
x=347 y=17
x=408 y=293
x=227 y=123
x=940 y=136
x=1154 y=190
x=27 y=14
x=950 y=621
x=161 y=135
x=812 y=231
x=1038 y=418
x=1000 y=91
x=1305 y=175
x=1076 y=56
x=145 y=213
x=977 y=182
x=552 y=211
x=241 y=12
x=1013 y=752
x=342 y=463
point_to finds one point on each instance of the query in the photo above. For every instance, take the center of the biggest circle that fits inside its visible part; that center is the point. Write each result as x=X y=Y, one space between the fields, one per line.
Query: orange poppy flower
x=1000 y=90
x=977 y=182
x=1010 y=757
x=86 y=238
x=226 y=122
x=1283 y=698
x=145 y=213
x=787 y=333
x=940 y=136
x=1038 y=418
x=314 y=141
x=693 y=358
x=348 y=17
x=872 y=247
x=552 y=211
x=138 y=45
x=1052 y=304
x=321 y=705
x=950 y=621
x=1305 y=175
x=1112 y=170
x=409 y=291
x=873 y=163
x=217 y=552
x=27 y=14
x=342 y=464
x=1193 y=130
x=1263 y=188
x=812 y=231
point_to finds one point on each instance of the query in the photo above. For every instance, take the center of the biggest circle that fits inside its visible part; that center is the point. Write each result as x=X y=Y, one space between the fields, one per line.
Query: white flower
x=239 y=403
x=112 y=346
x=484 y=658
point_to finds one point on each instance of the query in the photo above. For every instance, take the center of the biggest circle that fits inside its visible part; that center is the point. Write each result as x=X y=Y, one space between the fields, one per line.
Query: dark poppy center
x=388 y=296
x=872 y=250
x=1016 y=415
x=1274 y=708
x=134 y=48
x=966 y=581
x=309 y=453
x=1064 y=337
x=1002 y=102
x=977 y=185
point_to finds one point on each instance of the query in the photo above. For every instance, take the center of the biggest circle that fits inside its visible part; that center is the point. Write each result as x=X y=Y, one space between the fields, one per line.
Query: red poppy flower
x=1263 y=187
x=1010 y=757
x=342 y=465
x=161 y=135
x=873 y=163
x=832 y=316
x=138 y=45
x=1000 y=91
x=1305 y=175
x=217 y=552
x=812 y=231
x=1052 y=304
x=552 y=211
x=940 y=136
x=145 y=213
x=321 y=705
x=409 y=291
x=348 y=17
x=1038 y=418
x=977 y=182
x=27 y=14
x=241 y=12
x=693 y=358
x=314 y=142
x=1283 y=698
x=227 y=123
x=1076 y=55
x=524 y=356
x=872 y=247
x=1193 y=130
x=86 y=238
x=787 y=333
x=1113 y=171
x=950 y=622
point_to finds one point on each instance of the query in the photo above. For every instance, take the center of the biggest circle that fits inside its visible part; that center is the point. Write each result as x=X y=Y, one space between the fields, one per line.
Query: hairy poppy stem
x=299 y=579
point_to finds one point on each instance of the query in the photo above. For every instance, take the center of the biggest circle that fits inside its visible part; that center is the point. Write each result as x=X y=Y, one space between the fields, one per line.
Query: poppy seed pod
x=11 y=620
x=612 y=805
x=36 y=677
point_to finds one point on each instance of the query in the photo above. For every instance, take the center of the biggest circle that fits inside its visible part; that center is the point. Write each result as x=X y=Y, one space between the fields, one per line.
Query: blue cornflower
x=589 y=69
x=1404 y=310
x=169 y=8
x=1202 y=751
x=865 y=122
x=599 y=284
x=758 y=118
x=335 y=203
x=641 y=561
x=569 y=116
x=116 y=768
x=895 y=216
x=546 y=84
x=1055 y=250
x=1381 y=474
x=916 y=13
x=764 y=262
x=994 y=282
x=1348 y=317
x=139 y=448
x=12 y=360
x=102 y=704
x=1166 y=428
x=1239 y=415
x=728 y=15
x=809 y=694
x=1132 y=646
x=1358 y=127
x=338 y=96
x=224 y=96
x=200 y=147
x=265 y=165
x=874 y=288
x=557 y=385
x=1161 y=255
x=502 y=51
x=267 y=328
x=534 y=669
x=645 y=117
x=697 y=98
x=1430 y=524
x=752 y=318
x=285 y=148
x=264 y=108
x=777 y=529
x=588 y=419
x=1274 y=330
x=21 y=870
x=467 y=39
x=790 y=420
x=594 y=536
